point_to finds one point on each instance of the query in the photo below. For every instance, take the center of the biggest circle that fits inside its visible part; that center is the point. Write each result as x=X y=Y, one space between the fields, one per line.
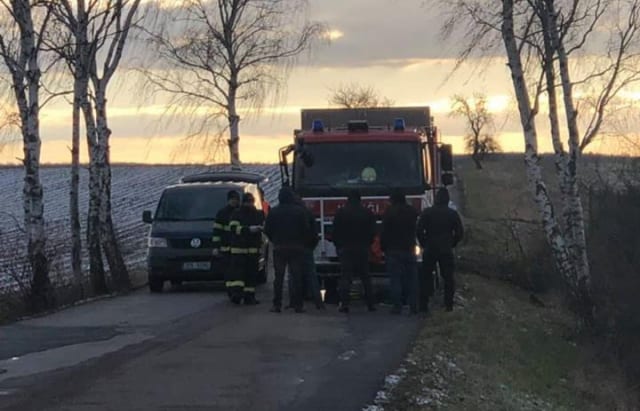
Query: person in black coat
x=289 y=229
x=310 y=282
x=398 y=242
x=246 y=242
x=354 y=229
x=439 y=231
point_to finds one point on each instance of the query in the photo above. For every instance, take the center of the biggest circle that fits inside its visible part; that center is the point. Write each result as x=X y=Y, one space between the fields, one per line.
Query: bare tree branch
x=355 y=95
x=229 y=53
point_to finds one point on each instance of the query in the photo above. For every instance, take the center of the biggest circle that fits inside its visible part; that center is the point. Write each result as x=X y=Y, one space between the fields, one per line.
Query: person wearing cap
x=354 y=230
x=398 y=242
x=222 y=236
x=439 y=231
x=246 y=241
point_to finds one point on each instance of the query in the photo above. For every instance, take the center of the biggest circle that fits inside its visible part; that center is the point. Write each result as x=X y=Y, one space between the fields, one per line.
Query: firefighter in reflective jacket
x=221 y=235
x=246 y=241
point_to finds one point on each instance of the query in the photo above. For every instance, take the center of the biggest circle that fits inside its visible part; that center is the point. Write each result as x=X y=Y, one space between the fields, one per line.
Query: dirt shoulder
x=499 y=350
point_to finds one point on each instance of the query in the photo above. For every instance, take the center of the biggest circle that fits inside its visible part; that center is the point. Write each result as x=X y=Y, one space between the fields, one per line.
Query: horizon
x=254 y=163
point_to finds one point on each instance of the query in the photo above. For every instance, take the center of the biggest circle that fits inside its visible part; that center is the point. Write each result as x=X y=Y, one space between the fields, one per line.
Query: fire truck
x=372 y=150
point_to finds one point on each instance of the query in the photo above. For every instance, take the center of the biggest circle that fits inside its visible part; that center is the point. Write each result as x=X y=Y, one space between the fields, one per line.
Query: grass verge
x=499 y=351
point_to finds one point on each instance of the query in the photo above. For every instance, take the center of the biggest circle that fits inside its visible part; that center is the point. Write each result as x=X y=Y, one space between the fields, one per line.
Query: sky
x=392 y=45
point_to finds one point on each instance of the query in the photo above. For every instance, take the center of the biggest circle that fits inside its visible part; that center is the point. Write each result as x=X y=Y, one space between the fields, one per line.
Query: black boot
x=276 y=309
x=250 y=299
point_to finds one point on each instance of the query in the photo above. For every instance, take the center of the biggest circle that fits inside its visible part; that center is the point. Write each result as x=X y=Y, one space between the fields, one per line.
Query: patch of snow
x=381 y=397
x=422 y=401
x=347 y=355
x=392 y=380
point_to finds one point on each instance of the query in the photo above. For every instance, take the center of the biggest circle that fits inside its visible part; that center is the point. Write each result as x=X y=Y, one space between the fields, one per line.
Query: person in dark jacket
x=354 y=229
x=398 y=242
x=439 y=231
x=310 y=283
x=246 y=240
x=221 y=240
x=288 y=228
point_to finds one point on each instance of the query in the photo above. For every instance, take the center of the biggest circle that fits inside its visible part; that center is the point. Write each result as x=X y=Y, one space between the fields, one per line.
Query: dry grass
x=501 y=352
x=503 y=233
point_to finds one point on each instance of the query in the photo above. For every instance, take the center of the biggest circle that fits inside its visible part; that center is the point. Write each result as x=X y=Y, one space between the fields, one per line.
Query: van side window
x=256 y=194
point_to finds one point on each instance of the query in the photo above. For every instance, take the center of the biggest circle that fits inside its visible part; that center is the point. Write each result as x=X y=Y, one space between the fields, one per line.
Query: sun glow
x=333 y=35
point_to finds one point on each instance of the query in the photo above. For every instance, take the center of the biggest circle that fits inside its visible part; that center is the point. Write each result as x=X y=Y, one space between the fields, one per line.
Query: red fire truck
x=373 y=150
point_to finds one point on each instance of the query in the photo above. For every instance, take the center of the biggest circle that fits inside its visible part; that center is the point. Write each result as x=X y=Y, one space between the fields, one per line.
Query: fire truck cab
x=374 y=151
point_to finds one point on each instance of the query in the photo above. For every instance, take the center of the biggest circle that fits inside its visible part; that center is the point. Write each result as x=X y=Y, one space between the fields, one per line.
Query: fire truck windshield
x=371 y=167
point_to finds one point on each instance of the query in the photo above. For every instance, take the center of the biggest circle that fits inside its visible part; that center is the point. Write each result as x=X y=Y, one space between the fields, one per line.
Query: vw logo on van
x=196 y=243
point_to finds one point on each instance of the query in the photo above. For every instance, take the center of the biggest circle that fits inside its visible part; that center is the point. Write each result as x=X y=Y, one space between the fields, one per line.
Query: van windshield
x=191 y=203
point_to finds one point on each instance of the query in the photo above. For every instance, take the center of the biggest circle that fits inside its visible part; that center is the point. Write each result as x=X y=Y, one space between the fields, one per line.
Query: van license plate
x=203 y=265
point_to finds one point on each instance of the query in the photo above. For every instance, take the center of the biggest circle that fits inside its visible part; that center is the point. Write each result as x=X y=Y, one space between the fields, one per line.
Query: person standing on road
x=222 y=236
x=246 y=241
x=288 y=228
x=310 y=284
x=439 y=231
x=354 y=229
x=398 y=242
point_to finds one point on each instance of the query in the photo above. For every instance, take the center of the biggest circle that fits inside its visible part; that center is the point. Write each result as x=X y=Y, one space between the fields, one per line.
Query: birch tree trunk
x=575 y=213
x=234 y=124
x=74 y=209
x=33 y=196
x=532 y=161
x=26 y=73
x=560 y=158
x=117 y=266
x=79 y=90
x=96 y=265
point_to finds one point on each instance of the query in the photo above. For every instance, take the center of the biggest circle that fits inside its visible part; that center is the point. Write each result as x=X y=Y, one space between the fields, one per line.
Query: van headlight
x=158 y=242
x=418 y=251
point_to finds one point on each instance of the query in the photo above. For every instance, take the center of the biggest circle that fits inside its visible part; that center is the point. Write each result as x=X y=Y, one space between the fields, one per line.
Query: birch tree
x=540 y=39
x=61 y=40
x=71 y=42
x=22 y=23
x=218 y=56
x=479 y=121
x=100 y=30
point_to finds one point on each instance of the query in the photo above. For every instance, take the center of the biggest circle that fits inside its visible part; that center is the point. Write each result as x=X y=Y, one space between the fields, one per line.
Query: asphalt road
x=189 y=349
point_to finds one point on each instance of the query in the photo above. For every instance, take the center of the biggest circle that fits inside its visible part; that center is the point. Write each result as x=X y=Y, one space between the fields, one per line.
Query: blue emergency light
x=317 y=126
x=398 y=124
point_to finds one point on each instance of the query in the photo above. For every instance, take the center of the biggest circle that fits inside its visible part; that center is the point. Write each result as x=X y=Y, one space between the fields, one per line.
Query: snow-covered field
x=135 y=188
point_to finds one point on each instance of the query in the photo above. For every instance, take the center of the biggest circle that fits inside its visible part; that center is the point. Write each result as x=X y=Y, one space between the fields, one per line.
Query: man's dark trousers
x=355 y=263
x=445 y=260
x=310 y=283
x=403 y=270
x=292 y=258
